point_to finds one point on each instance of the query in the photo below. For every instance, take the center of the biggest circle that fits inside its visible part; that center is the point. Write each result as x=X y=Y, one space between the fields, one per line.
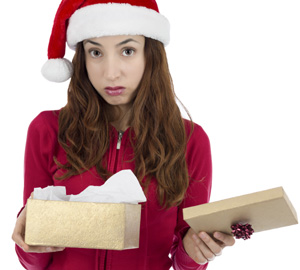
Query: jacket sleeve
x=198 y=157
x=37 y=160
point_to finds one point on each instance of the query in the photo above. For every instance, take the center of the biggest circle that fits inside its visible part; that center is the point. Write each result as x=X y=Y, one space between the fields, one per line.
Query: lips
x=114 y=88
x=114 y=91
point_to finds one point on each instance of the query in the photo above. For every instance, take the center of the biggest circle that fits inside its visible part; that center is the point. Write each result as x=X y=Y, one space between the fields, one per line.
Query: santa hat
x=77 y=20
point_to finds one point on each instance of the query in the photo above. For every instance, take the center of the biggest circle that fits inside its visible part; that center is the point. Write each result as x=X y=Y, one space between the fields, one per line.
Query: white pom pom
x=57 y=70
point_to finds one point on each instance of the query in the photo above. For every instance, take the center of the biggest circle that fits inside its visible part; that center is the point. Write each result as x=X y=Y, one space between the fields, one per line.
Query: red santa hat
x=77 y=20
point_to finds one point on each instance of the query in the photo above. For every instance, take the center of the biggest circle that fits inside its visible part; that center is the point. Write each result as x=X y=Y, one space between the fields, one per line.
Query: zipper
x=119 y=140
x=120 y=135
x=105 y=260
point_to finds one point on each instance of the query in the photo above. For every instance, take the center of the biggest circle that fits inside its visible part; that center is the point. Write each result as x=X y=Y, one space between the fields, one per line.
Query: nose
x=112 y=69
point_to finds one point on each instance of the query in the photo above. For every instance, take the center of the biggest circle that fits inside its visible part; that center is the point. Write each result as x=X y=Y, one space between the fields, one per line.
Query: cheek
x=93 y=73
x=137 y=71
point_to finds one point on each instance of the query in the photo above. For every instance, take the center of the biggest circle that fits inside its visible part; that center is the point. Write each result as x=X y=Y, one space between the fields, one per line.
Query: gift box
x=263 y=210
x=113 y=226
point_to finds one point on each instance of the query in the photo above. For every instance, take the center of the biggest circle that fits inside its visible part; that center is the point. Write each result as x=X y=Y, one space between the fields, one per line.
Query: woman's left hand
x=203 y=248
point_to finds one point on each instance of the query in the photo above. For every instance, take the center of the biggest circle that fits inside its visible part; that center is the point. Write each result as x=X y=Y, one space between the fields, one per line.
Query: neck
x=121 y=118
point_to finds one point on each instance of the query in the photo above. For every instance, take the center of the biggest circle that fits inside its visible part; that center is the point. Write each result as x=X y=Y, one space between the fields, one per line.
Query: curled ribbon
x=243 y=231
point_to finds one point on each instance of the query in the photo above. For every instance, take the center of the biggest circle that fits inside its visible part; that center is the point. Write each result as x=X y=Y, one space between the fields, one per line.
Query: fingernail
x=219 y=254
x=203 y=236
x=48 y=249
x=204 y=263
x=194 y=236
x=217 y=235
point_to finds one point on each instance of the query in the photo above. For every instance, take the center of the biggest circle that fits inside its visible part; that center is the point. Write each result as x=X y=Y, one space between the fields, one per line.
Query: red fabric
x=57 y=42
x=141 y=3
x=161 y=230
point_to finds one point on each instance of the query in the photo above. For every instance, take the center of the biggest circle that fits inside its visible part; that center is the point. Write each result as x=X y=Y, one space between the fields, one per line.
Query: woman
x=121 y=114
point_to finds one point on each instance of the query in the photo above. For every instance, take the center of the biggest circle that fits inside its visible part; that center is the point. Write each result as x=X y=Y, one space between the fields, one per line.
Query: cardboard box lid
x=264 y=210
x=113 y=226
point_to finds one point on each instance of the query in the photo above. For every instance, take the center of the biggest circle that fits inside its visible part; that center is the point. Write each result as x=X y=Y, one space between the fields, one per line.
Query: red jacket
x=161 y=230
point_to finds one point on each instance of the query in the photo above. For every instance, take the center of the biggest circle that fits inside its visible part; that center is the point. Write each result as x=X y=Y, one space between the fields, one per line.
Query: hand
x=19 y=234
x=203 y=248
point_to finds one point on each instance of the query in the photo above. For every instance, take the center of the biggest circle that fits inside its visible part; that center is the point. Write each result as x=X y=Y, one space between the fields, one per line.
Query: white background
x=235 y=66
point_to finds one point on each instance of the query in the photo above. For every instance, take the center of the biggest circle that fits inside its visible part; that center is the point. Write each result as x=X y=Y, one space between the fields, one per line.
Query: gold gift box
x=113 y=226
x=264 y=210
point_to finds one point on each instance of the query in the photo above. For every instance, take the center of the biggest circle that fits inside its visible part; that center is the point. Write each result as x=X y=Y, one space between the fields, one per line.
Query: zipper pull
x=119 y=140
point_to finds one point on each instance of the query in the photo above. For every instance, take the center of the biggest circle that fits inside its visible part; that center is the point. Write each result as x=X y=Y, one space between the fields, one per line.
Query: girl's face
x=115 y=61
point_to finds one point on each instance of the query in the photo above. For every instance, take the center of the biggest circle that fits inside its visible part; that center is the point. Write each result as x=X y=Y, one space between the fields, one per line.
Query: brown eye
x=95 y=53
x=128 y=52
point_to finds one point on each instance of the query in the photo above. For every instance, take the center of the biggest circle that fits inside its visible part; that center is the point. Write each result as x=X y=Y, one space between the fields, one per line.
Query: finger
x=19 y=234
x=19 y=231
x=18 y=239
x=200 y=258
x=211 y=244
x=205 y=251
x=226 y=239
x=43 y=249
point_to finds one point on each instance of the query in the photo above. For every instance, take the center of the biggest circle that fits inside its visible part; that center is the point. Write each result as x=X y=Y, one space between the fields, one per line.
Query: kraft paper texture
x=82 y=224
x=264 y=210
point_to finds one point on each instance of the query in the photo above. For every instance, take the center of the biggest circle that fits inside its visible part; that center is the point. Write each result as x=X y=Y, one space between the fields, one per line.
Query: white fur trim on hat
x=116 y=19
x=57 y=70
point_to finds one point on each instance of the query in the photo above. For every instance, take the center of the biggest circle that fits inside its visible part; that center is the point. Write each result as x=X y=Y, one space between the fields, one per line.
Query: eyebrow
x=119 y=44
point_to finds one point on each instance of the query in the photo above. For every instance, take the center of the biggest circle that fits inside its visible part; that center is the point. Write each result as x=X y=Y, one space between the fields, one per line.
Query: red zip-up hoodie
x=161 y=230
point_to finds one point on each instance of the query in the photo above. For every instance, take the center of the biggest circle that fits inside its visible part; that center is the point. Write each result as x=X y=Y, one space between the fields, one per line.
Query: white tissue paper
x=122 y=187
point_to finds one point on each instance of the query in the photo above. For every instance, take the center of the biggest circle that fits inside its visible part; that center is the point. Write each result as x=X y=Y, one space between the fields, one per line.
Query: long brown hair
x=156 y=123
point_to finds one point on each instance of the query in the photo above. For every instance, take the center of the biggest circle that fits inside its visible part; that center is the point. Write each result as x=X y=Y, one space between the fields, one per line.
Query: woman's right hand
x=19 y=234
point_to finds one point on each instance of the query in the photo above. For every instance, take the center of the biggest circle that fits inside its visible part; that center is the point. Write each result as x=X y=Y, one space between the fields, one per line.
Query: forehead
x=117 y=39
